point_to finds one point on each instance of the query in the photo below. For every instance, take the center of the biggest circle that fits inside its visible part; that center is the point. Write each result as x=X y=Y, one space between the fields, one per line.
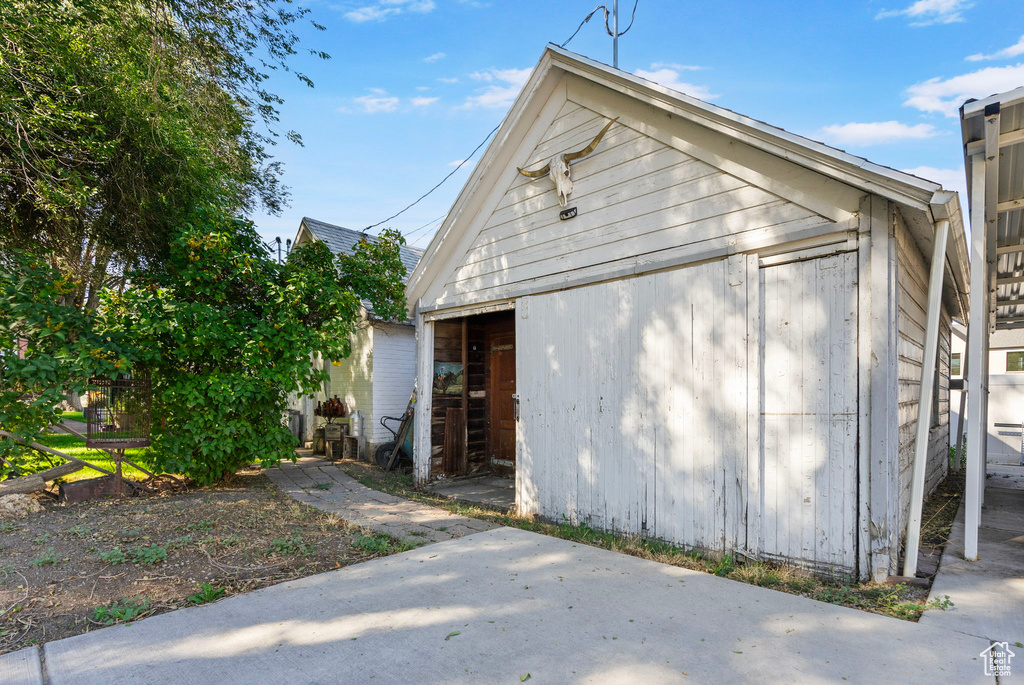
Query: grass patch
x=379 y=544
x=899 y=601
x=34 y=461
x=73 y=415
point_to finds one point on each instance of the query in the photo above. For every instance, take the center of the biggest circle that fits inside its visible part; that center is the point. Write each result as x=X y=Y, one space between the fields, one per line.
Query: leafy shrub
x=227 y=334
x=207 y=593
x=113 y=557
x=148 y=556
x=48 y=558
x=121 y=611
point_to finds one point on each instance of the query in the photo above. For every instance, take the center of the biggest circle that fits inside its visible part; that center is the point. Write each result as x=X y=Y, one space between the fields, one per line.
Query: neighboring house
x=377 y=378
x=1005 y=391
x=717 y=341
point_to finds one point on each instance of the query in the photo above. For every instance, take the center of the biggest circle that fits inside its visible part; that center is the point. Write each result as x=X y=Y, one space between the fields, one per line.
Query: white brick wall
x=394 y=372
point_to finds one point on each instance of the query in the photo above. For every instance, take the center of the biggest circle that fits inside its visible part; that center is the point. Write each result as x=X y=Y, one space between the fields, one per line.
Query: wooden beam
x=1009 y=303
x=1010 y=205
x=1009 y=280
x=424 y=396
x=1008 y=249
x=1005 y=140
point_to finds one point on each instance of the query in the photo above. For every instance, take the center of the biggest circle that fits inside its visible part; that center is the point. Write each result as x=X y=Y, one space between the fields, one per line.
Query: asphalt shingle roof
x=340 y=239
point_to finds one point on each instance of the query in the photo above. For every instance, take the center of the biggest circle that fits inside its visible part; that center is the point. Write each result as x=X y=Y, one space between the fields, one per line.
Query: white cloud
x=1006 y=53
x=436 y=56
x=387 y=8
x=423 y=102
x=497 y=96
x=448 y=80
x=422 y=88
x=951 y=179
x=946 y=96
x=927 y=12
x=670 y=79
x=457 y=162
x=372 y=105
x=875 y=133
x=677 y=67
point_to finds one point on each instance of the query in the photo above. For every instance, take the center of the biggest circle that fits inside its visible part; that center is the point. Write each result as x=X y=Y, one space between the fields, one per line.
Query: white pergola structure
x=993 y=135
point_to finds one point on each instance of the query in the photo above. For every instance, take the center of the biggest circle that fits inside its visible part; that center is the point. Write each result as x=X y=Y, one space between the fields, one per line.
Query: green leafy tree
x=119 y=117
x=46 y=350
x=227 y=334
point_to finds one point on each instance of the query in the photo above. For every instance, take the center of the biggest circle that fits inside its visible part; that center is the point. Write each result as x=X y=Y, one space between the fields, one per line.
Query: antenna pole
x=615 y=33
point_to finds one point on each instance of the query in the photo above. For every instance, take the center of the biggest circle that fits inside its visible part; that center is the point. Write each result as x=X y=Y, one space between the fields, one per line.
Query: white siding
x=352 y=377
x=636 y=196
x=912 y=297
x=809 y=319
x=635 y=404
x=394 y=373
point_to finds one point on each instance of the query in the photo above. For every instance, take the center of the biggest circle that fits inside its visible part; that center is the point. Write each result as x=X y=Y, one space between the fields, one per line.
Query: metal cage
x=117 y=415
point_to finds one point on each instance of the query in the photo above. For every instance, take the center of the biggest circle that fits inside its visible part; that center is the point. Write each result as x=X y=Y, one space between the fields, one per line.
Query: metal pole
x=958 y=453
x=924 y=404
x=977 y=382
x=615 y=33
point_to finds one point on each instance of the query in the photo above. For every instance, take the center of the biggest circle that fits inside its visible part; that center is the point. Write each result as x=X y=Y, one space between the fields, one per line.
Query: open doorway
x=473 y=423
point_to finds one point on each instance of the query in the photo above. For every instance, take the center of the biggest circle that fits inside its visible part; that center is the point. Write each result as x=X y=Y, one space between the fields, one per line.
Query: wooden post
x=424 y=397
x=924 y=404
x=464 y=454
x=958 y=455
x=977 y=383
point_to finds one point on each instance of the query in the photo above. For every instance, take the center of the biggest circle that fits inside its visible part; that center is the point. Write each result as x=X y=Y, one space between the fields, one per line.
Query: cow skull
x=558 y=167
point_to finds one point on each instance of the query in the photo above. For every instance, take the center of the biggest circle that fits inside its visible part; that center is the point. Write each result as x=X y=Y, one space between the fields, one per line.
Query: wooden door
x=809 y=413
x=501 y=361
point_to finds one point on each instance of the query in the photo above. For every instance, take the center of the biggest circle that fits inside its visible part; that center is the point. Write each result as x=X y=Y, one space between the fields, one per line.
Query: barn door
x=809 y=413
x=501 y=373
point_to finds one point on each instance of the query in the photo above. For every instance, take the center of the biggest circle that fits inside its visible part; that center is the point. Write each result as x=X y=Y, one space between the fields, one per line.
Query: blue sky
x=414 y=85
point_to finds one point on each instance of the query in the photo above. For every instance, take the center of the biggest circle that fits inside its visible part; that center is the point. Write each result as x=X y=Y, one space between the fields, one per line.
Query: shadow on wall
x=642 y=417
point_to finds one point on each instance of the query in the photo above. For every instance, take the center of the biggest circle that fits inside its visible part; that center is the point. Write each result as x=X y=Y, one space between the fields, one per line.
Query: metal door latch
x=515 y=406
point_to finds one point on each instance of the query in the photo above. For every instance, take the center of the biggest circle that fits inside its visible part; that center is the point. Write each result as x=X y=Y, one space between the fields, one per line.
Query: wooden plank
x=422 y=451
x=463 y=462
x=883 y=450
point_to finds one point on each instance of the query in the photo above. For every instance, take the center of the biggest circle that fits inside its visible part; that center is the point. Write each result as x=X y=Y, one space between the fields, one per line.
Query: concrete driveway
x=494 y=606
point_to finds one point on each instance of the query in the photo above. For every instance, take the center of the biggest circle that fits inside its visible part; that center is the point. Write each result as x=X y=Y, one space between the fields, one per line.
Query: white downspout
x=924 y=406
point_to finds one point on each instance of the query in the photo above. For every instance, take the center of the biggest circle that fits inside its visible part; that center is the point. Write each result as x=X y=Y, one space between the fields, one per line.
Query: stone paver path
x=366 y=507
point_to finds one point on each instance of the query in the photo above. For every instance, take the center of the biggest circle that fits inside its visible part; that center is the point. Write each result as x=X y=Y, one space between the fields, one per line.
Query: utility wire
x=494 y=130
x=607 y=28
x=415 y=202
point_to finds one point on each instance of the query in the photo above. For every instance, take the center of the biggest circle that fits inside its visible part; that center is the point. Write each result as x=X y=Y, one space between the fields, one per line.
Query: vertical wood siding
x=394 y=373
x=637 y=405
x=809 y=395
x=636 y=196
x=634 y=405
x=912 y=282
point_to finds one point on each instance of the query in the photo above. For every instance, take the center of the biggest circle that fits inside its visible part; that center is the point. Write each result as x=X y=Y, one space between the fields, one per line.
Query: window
x=1014 y=361
x=954 y=364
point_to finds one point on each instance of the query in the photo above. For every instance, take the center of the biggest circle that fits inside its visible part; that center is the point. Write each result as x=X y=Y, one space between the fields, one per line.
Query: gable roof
x=341 y=239
x=921 y=202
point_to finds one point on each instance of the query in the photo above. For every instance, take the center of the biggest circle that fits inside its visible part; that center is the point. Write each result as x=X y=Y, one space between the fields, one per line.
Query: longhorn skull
x=558 y=167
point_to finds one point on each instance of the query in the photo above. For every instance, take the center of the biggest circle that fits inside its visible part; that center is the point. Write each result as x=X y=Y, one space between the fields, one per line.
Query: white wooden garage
x=716 y=341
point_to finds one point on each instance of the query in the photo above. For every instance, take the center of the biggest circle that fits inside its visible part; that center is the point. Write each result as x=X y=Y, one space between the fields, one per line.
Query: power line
x=415 y=202
x=494 y=130
x=607 y=28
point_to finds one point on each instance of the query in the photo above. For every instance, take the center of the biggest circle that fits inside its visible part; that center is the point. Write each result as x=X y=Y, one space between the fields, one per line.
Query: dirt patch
x=69 y=570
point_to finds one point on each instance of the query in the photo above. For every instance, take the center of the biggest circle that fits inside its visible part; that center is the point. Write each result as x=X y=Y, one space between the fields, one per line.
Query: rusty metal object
x=117 y=415
x=81 y=490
